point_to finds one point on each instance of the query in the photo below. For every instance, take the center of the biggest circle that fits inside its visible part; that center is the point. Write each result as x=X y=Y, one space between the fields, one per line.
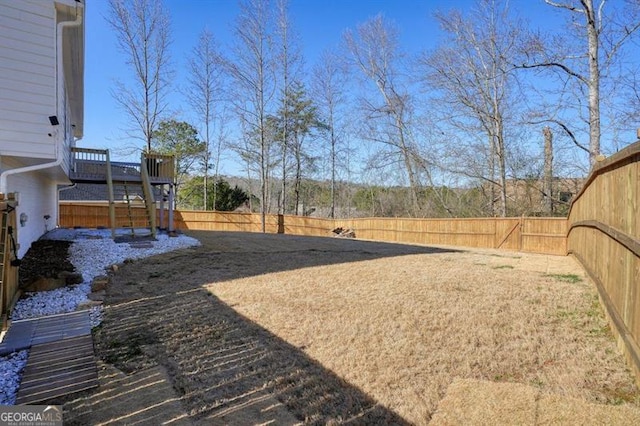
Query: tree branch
x=564 y=6
x=563 y=67
x=566 y=129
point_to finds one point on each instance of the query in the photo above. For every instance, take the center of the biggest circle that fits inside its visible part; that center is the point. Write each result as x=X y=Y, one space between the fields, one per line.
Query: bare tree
x=631 y=87
x=375 y=52
x=289 y=61
x=204 y=92
x=583 y=57
x=472 y=74
x=143 y=32
x=329 y=80
x=252 y=72
x=221 y=142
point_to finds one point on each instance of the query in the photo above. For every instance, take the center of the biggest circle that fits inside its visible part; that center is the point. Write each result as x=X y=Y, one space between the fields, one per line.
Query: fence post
x=521 y=239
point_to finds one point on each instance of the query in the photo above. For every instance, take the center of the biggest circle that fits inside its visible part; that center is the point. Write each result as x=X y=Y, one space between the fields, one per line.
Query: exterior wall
x=37 y=198
x=37 y=58
x=27 y=78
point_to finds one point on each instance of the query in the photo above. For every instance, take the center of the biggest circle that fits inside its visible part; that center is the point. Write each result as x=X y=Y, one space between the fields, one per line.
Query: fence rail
x=536 y=235
x=604 y=235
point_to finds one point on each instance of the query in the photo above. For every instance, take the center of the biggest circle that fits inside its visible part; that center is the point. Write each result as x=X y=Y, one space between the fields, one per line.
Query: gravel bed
x=91 y=253
x=10 y=368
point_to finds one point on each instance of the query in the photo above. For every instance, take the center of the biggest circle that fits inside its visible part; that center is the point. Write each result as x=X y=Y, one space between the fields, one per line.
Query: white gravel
x=91 y=253
x=10 y=368
x=90 y=257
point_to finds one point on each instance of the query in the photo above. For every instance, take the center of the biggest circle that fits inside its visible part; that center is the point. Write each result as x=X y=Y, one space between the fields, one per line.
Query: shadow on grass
x=224 y=367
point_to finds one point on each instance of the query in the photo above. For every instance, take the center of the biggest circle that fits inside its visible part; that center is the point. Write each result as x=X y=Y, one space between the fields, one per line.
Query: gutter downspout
x=59 y=157
x=64 y=188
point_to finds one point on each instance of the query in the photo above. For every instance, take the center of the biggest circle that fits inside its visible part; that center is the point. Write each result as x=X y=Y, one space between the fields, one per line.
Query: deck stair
x=132 y=204
x=130 y=208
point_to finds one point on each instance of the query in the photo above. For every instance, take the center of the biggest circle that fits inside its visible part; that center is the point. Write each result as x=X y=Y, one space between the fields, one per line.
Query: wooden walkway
x=34 y=331
x=58 y=368
x=61 y=359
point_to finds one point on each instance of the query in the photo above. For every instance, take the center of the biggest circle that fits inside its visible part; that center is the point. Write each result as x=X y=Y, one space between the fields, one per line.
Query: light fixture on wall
x=23 y=219
x=53 y=119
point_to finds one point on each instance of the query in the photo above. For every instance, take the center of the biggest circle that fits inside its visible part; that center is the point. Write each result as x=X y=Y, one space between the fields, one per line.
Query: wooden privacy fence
x=604 y=235
x=536 y=235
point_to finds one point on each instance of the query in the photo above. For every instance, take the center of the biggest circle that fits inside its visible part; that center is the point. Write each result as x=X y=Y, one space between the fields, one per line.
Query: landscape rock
x=71 y=278
x=97 y=295
x=88 y=304
x=99 y=283
x=44 y=284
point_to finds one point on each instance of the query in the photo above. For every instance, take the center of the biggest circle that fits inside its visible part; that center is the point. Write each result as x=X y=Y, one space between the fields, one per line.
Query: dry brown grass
x=402 y=328
x=341 y=331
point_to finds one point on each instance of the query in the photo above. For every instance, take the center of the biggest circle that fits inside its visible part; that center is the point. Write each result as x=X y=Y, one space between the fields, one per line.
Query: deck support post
x=171 y=204
x=162 y=201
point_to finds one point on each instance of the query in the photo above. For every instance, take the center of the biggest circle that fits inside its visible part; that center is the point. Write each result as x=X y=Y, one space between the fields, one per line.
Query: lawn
x=339 y=330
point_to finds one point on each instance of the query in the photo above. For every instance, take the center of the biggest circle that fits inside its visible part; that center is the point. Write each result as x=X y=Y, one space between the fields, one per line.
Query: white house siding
x=27 y=78
x=28 y=68
x=37 y=198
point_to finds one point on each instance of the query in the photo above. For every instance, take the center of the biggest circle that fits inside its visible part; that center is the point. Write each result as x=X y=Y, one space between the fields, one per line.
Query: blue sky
x=320 y=24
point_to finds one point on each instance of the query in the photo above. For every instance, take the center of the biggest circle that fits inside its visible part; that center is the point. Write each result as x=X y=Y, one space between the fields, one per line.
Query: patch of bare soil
x=339 y=330
x=45 y=259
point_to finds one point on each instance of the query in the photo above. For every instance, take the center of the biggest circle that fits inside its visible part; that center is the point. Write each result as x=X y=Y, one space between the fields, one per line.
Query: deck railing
x=90 y=165
x=161 y=168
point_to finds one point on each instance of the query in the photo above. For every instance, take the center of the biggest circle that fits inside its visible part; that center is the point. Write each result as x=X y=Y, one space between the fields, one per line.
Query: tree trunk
x=594 y=82
x=298 y=178
x=332 y=213
x=492 y=177
x=413 y=182
x=205 y=191
x=263 y=197
x=205 y=182
x=502 y=164
x=283 y=186
x=547 y=184
x=207 y=157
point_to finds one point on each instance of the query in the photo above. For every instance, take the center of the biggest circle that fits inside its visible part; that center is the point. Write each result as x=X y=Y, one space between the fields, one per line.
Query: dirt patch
x=48 y=259
x=340 y=330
